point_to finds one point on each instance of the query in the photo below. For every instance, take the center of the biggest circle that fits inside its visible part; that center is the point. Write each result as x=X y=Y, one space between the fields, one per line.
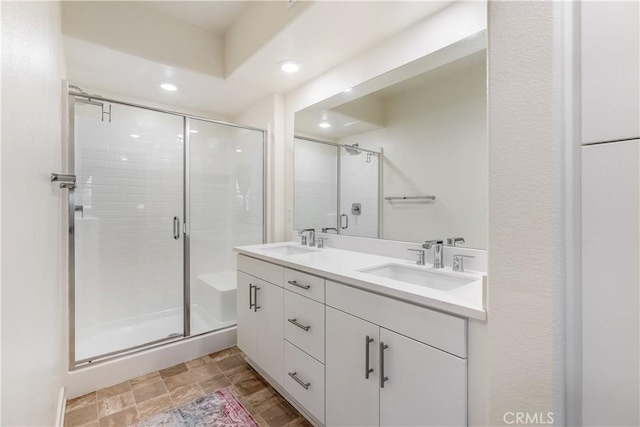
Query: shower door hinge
x=65 y=180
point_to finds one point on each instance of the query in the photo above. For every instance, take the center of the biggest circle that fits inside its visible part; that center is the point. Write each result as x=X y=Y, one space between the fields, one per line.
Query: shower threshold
x=123 y=334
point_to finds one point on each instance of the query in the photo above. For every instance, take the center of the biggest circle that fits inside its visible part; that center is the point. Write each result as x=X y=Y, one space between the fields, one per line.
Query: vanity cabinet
x=259 y=307
x=348 y=357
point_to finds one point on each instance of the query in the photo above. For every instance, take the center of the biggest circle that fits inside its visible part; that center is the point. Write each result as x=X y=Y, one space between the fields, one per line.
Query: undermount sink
x=419 y=276
x=289 y=250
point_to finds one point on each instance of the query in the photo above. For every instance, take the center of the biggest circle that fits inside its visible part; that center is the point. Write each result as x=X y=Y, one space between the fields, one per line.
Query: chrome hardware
x=295 y=322
x=383 y=379
x=344 y=227
x=251 y=303
x=255 y=298
x=294 y=375
x=453 y=241
x=458 y=261
x=437 y=251
x=65 y=180
x=176 y=227
x=420 y=260
x=312 y=235
x=320 y=242
x=326 y=229
x=295 y=283
x=410 y=198
x=303 y=240
x=367 y=369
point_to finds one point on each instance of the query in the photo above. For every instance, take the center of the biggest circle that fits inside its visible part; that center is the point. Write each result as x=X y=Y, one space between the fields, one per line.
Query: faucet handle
x=320 y=242
x=420 y=260
x=458 y=261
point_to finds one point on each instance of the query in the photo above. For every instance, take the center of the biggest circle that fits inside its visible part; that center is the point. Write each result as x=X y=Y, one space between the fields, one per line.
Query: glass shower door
x=226 y=209
x=129 y=210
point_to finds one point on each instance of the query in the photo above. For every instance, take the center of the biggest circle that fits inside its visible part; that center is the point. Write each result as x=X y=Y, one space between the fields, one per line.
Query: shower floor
x=126 y=333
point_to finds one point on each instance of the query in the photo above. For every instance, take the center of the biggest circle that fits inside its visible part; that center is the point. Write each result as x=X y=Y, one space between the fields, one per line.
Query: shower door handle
x=344 y=227
x=176 y=227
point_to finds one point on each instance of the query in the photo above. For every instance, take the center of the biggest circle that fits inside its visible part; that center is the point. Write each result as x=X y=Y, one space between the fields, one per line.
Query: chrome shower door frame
x=72 y=97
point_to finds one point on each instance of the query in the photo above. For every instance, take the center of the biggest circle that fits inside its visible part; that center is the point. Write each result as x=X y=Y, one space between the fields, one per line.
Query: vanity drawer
x=304 y=284
x=307 y=332
x=309 y=391
x=263 y=270
x=440 y=330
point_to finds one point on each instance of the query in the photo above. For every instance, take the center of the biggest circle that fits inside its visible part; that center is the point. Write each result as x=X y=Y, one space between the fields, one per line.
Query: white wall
x=434 y=142
x=526 y=238
x=32 y=338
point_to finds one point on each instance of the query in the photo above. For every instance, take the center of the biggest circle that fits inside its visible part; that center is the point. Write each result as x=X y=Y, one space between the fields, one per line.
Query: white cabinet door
x=610 y=70
x=611 y=284
x=351 y=398
x=247 y=332
x=270 y=300
x=425 y=386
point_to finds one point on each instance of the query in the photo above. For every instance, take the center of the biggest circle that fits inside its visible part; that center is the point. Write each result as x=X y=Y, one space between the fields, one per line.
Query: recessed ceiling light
x=325 y=125
x=289 y=66
x=169 y=87
x=133 y=135
x=238 y=150
x=193 y=131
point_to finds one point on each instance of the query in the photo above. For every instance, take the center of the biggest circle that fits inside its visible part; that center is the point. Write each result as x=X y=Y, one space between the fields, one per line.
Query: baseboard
x=62 y=406
x=284 y=394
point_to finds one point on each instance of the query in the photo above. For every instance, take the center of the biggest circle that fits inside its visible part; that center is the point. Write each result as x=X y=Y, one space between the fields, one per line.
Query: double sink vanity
x=352 y=338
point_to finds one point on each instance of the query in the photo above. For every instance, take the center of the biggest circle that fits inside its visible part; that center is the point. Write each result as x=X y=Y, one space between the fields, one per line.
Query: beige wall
x=33 y=344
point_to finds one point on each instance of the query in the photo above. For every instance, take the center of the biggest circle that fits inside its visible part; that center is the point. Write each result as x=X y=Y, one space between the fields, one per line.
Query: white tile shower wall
x=316 y=188
x=435 y=143
x=359 y=184
x=127 y=262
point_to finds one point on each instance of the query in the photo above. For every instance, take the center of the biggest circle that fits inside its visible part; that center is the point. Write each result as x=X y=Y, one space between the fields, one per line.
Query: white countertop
x=342 y=266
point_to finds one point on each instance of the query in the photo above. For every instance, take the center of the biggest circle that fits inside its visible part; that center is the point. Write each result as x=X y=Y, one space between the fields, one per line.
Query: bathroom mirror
x=402 y=156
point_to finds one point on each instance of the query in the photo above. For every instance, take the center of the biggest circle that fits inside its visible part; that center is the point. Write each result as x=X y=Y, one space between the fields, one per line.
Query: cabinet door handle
x=255 y=298
x=300 y=285
x=383 y=347
x=367 y=369
x=250 y=296
x=301 y=326
x=294 y=375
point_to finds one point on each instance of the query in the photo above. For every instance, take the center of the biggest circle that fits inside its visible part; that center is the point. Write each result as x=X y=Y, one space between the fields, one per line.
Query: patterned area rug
x=218 y=409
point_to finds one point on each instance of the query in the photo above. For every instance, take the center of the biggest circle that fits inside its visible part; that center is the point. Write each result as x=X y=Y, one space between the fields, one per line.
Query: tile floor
x=140 y=398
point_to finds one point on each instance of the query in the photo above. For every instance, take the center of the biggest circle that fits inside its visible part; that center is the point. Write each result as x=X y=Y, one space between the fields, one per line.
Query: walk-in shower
x=159 y=201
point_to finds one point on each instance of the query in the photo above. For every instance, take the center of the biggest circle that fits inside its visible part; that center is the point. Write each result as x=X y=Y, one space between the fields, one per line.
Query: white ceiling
x=214 y=16
x=324 y=35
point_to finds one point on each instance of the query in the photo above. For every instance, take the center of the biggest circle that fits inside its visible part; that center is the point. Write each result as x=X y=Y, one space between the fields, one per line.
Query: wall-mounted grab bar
x=410 y=198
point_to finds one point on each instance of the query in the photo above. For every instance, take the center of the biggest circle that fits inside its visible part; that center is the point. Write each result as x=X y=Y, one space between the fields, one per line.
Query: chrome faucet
x=453 y=241
x=312 y=235
x=437 y=251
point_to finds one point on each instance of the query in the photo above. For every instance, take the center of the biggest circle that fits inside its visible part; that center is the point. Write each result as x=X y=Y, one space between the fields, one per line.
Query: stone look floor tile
x=249 y=386
x=114 y=390
x=206 y=371
x=186 y=394
x=80 y=416
x=81 y=401
x=154 y=406
x=115 y=404
x=145 y=380
x=279 y=415
x=174 y=370
x=196 y=363
x=121 y=419
x=231 y=363
x=300 y=422
x=216 y=383
x=149 y=391
x=223 y=354
x=179 y=380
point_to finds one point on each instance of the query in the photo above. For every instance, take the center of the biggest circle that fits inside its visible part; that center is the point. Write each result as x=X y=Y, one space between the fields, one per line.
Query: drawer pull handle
x=383 y=347
x=295 y=322
x=251 y=296
x=294 y=375
x=295 y=283
x=367 y=369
